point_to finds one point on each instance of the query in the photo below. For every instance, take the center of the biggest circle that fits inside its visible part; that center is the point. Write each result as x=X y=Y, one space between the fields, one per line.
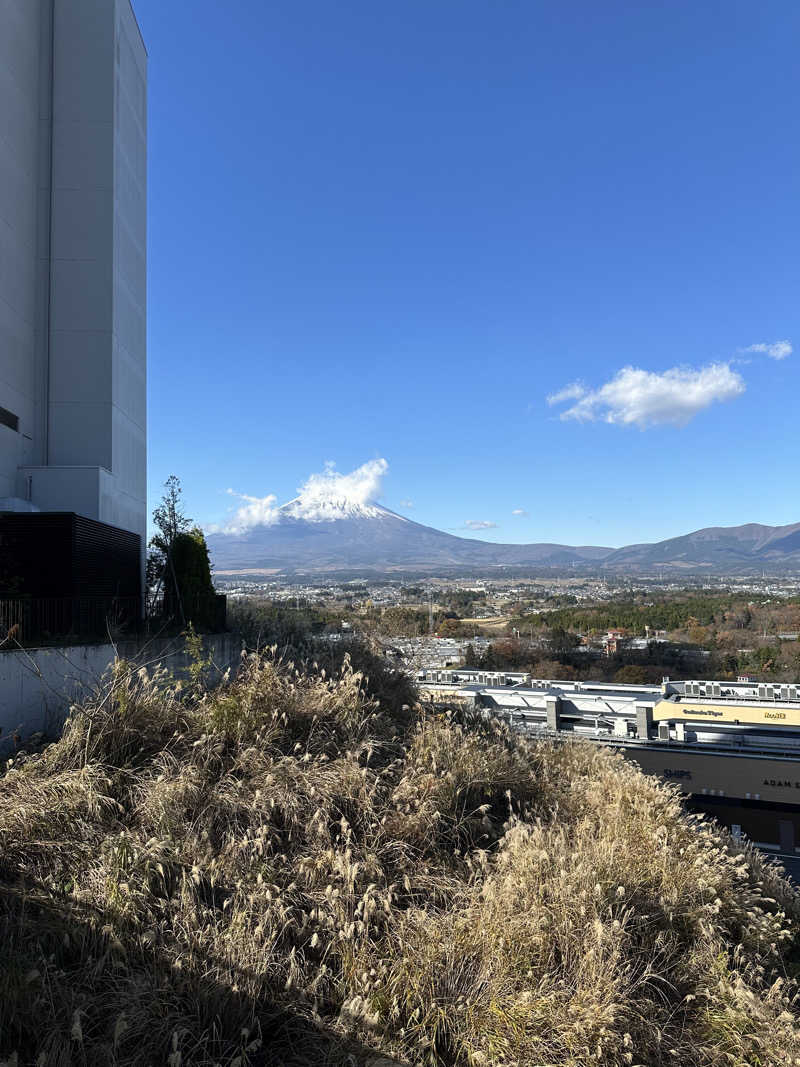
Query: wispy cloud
x=479 y=524
x=254 y=511
x=520 y=512
x=570 y=392
x=636 y=397
x=408 y=504
x=775 y=350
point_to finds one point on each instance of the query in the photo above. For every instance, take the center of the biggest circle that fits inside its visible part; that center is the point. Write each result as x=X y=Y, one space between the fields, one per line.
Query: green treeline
x=671 y=613
x=626 y=614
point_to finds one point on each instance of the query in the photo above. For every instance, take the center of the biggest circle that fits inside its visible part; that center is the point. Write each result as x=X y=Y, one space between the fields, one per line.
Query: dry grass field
x=301 y=869
x=491 y=625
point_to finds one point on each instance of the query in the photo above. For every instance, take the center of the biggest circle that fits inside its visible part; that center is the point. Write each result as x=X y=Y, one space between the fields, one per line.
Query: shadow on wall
x=38 y=686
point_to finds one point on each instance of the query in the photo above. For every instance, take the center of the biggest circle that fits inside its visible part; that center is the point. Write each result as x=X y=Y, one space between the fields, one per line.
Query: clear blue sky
x=393 y=230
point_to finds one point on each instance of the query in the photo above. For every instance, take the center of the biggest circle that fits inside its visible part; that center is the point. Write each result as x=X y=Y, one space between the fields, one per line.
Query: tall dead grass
x=290 y=869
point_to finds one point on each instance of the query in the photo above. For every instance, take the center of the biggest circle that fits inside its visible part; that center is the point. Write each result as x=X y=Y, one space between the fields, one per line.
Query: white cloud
x=569 y=392
x=635 y=397
x=255 y=511
x=324 y=496
x=775 y=350
x=479 y=524
x=407 y=504
x=520 y=512
x=330 y=492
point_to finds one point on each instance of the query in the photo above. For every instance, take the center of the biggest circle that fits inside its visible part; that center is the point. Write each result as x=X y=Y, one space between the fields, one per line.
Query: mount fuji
x=346 y=535
x=335 y=525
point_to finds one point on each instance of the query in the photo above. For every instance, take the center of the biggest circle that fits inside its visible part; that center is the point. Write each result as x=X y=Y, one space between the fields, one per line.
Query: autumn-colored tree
x=632 y=674
x=550 y=668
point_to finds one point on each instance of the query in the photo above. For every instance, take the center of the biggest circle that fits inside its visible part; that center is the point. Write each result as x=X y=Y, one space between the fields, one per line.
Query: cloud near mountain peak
x=330 y=489
x=323 y=496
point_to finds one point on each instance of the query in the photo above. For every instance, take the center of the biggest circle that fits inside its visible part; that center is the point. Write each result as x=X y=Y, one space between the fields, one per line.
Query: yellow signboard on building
x=725 y=711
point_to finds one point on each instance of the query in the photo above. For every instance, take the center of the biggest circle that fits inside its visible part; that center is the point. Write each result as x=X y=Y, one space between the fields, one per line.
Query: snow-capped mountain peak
x=327 y=496
x=330 y=509
x=330 y=495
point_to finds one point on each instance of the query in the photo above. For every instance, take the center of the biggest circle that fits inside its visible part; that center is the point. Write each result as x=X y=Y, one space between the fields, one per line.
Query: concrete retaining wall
x=38 y=686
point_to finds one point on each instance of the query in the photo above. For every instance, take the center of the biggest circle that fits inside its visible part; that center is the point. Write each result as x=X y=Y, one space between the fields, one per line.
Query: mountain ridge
x=340 y=535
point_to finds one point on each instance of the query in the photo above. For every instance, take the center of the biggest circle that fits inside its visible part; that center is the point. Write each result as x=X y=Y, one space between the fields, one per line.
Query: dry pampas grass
x=291 y=870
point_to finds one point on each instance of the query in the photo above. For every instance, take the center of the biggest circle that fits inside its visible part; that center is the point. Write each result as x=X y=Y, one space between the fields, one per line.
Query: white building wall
x=38 y=685
x=24 y=225
x=81 y=306
x=129 y=354
x=73 y=197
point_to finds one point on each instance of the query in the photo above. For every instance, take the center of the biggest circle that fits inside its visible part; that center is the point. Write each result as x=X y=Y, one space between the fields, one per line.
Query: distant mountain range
x=342 y=536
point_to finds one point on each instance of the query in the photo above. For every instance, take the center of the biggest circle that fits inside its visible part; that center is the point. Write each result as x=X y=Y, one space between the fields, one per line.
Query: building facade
x=73 y=188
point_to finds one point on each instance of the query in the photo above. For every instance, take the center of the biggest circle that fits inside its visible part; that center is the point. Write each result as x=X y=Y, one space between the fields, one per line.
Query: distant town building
x=73 y=185
x=655 y=635
x=613 y=642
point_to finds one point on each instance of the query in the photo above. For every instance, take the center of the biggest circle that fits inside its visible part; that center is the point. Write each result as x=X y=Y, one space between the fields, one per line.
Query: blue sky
x=392 y=231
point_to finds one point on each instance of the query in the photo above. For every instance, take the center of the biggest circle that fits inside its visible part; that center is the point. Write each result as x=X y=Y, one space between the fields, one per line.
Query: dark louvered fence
x=29 y=621
x=42 y=620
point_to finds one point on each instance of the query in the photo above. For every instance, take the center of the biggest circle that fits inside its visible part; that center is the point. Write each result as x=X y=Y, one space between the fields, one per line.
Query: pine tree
x=170 y=523
x=168 y=517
